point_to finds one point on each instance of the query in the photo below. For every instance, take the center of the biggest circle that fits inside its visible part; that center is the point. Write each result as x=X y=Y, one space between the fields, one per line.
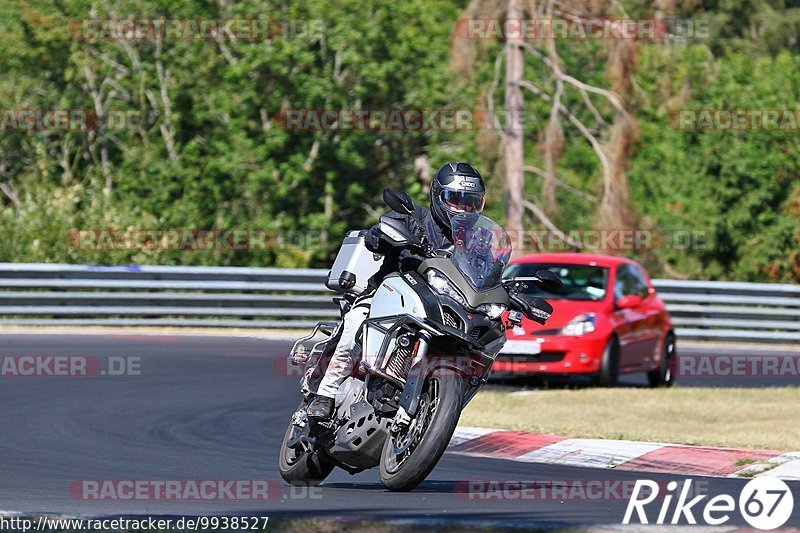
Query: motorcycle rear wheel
x=299 y=467
x=422 y=445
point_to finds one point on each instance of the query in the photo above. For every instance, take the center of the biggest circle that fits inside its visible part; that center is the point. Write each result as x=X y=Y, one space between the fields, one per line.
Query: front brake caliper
x=401 y=421
x=299 y=419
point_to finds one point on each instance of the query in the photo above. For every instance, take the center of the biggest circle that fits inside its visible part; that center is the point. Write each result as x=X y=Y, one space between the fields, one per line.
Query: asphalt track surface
x=216 y=408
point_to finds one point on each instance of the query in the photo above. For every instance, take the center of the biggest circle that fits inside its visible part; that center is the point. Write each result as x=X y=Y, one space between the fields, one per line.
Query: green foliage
x=233 y=164
x=210 y=150
x=737 y=190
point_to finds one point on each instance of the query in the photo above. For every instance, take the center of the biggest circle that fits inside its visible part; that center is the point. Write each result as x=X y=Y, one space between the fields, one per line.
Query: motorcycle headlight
x=441 y=285
x=580 y=325
x=493 y=311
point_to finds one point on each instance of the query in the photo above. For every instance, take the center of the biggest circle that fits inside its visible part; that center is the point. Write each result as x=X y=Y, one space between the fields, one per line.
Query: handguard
x=533 y=308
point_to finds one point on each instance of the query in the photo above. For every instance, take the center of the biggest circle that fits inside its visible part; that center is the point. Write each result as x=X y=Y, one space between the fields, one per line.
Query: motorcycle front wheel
x=409 y=456
x=299 y=467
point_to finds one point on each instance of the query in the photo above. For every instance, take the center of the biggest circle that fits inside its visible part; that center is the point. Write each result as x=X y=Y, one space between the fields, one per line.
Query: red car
x=607 y=321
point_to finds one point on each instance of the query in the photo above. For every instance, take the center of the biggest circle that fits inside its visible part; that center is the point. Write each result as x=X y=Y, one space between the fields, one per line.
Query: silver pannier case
x=354 y=265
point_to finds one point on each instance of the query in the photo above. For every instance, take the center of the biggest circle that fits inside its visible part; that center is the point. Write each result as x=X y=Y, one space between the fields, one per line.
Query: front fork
x=415 y=382
x=409 y=400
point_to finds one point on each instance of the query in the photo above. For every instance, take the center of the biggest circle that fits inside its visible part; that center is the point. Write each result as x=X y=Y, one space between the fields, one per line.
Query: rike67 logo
x=764 y=503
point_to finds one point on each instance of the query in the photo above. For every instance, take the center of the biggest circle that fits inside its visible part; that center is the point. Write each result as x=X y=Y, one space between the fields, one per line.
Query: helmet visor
x=463 y=201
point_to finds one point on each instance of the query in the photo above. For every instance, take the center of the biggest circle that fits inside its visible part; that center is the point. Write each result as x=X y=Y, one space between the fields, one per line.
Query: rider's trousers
x=343 y=362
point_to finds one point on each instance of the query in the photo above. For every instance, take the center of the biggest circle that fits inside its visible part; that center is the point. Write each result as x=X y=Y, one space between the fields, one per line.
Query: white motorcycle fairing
x=395 y=297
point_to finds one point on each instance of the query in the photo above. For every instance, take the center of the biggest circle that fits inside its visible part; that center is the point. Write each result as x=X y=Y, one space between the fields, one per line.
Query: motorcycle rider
x=457 y=188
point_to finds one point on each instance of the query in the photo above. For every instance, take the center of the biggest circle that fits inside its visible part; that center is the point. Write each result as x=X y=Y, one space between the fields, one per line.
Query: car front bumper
x=550 y=354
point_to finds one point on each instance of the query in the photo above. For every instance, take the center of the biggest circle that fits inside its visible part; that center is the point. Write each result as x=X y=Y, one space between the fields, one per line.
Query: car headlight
x=580 y=325
x=441 y=285
x=492 y=310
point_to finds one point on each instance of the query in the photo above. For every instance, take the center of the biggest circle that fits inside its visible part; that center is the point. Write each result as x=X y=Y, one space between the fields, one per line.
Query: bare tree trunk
x=166 y=126
x=513 y=140
x=11 y=194
x=552 y=146
x=615 y=209
x=97 y=98
x=422 y=169
x=328 y=211
x=66 y=148
x=553 y=142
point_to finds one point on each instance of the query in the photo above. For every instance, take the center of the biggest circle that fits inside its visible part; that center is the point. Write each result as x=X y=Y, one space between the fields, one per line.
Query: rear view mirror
x=398 y=201
x=548 y=281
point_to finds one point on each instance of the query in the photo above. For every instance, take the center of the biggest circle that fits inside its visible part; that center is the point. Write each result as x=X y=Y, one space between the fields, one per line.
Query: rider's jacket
x=404 y=259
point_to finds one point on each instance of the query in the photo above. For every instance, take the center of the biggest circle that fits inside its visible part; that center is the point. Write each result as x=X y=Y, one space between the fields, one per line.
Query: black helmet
x=457 y=188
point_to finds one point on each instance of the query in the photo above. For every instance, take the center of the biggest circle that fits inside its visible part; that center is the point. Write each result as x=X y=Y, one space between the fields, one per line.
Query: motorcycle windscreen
x=482 y=249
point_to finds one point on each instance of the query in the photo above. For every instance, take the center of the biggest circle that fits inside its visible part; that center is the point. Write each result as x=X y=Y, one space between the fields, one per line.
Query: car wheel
x=664 y=375
x=609 y=365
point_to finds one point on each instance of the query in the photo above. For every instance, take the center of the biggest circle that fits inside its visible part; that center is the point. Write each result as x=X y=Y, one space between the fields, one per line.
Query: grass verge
x=763 y=418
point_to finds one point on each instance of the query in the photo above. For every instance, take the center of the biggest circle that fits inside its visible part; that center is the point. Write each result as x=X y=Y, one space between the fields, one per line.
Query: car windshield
x=482 y=249
x=581 y=282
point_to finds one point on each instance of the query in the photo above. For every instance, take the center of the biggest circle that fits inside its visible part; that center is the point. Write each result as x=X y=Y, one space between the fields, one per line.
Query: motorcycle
x=426 y=348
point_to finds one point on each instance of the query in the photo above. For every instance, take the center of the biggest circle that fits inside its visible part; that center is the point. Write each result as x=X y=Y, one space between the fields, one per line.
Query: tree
x=613 y=150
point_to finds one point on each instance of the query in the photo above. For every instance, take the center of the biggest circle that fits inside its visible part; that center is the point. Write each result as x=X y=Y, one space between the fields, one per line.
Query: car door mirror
x=629 y=302
x=398 y=201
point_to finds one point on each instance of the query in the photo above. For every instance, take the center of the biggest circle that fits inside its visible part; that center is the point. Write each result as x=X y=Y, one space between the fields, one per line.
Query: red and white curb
x=624 y=455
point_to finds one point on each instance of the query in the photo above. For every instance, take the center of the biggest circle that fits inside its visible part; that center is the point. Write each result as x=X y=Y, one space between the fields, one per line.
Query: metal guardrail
x=722 y=310
x=54 y=294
